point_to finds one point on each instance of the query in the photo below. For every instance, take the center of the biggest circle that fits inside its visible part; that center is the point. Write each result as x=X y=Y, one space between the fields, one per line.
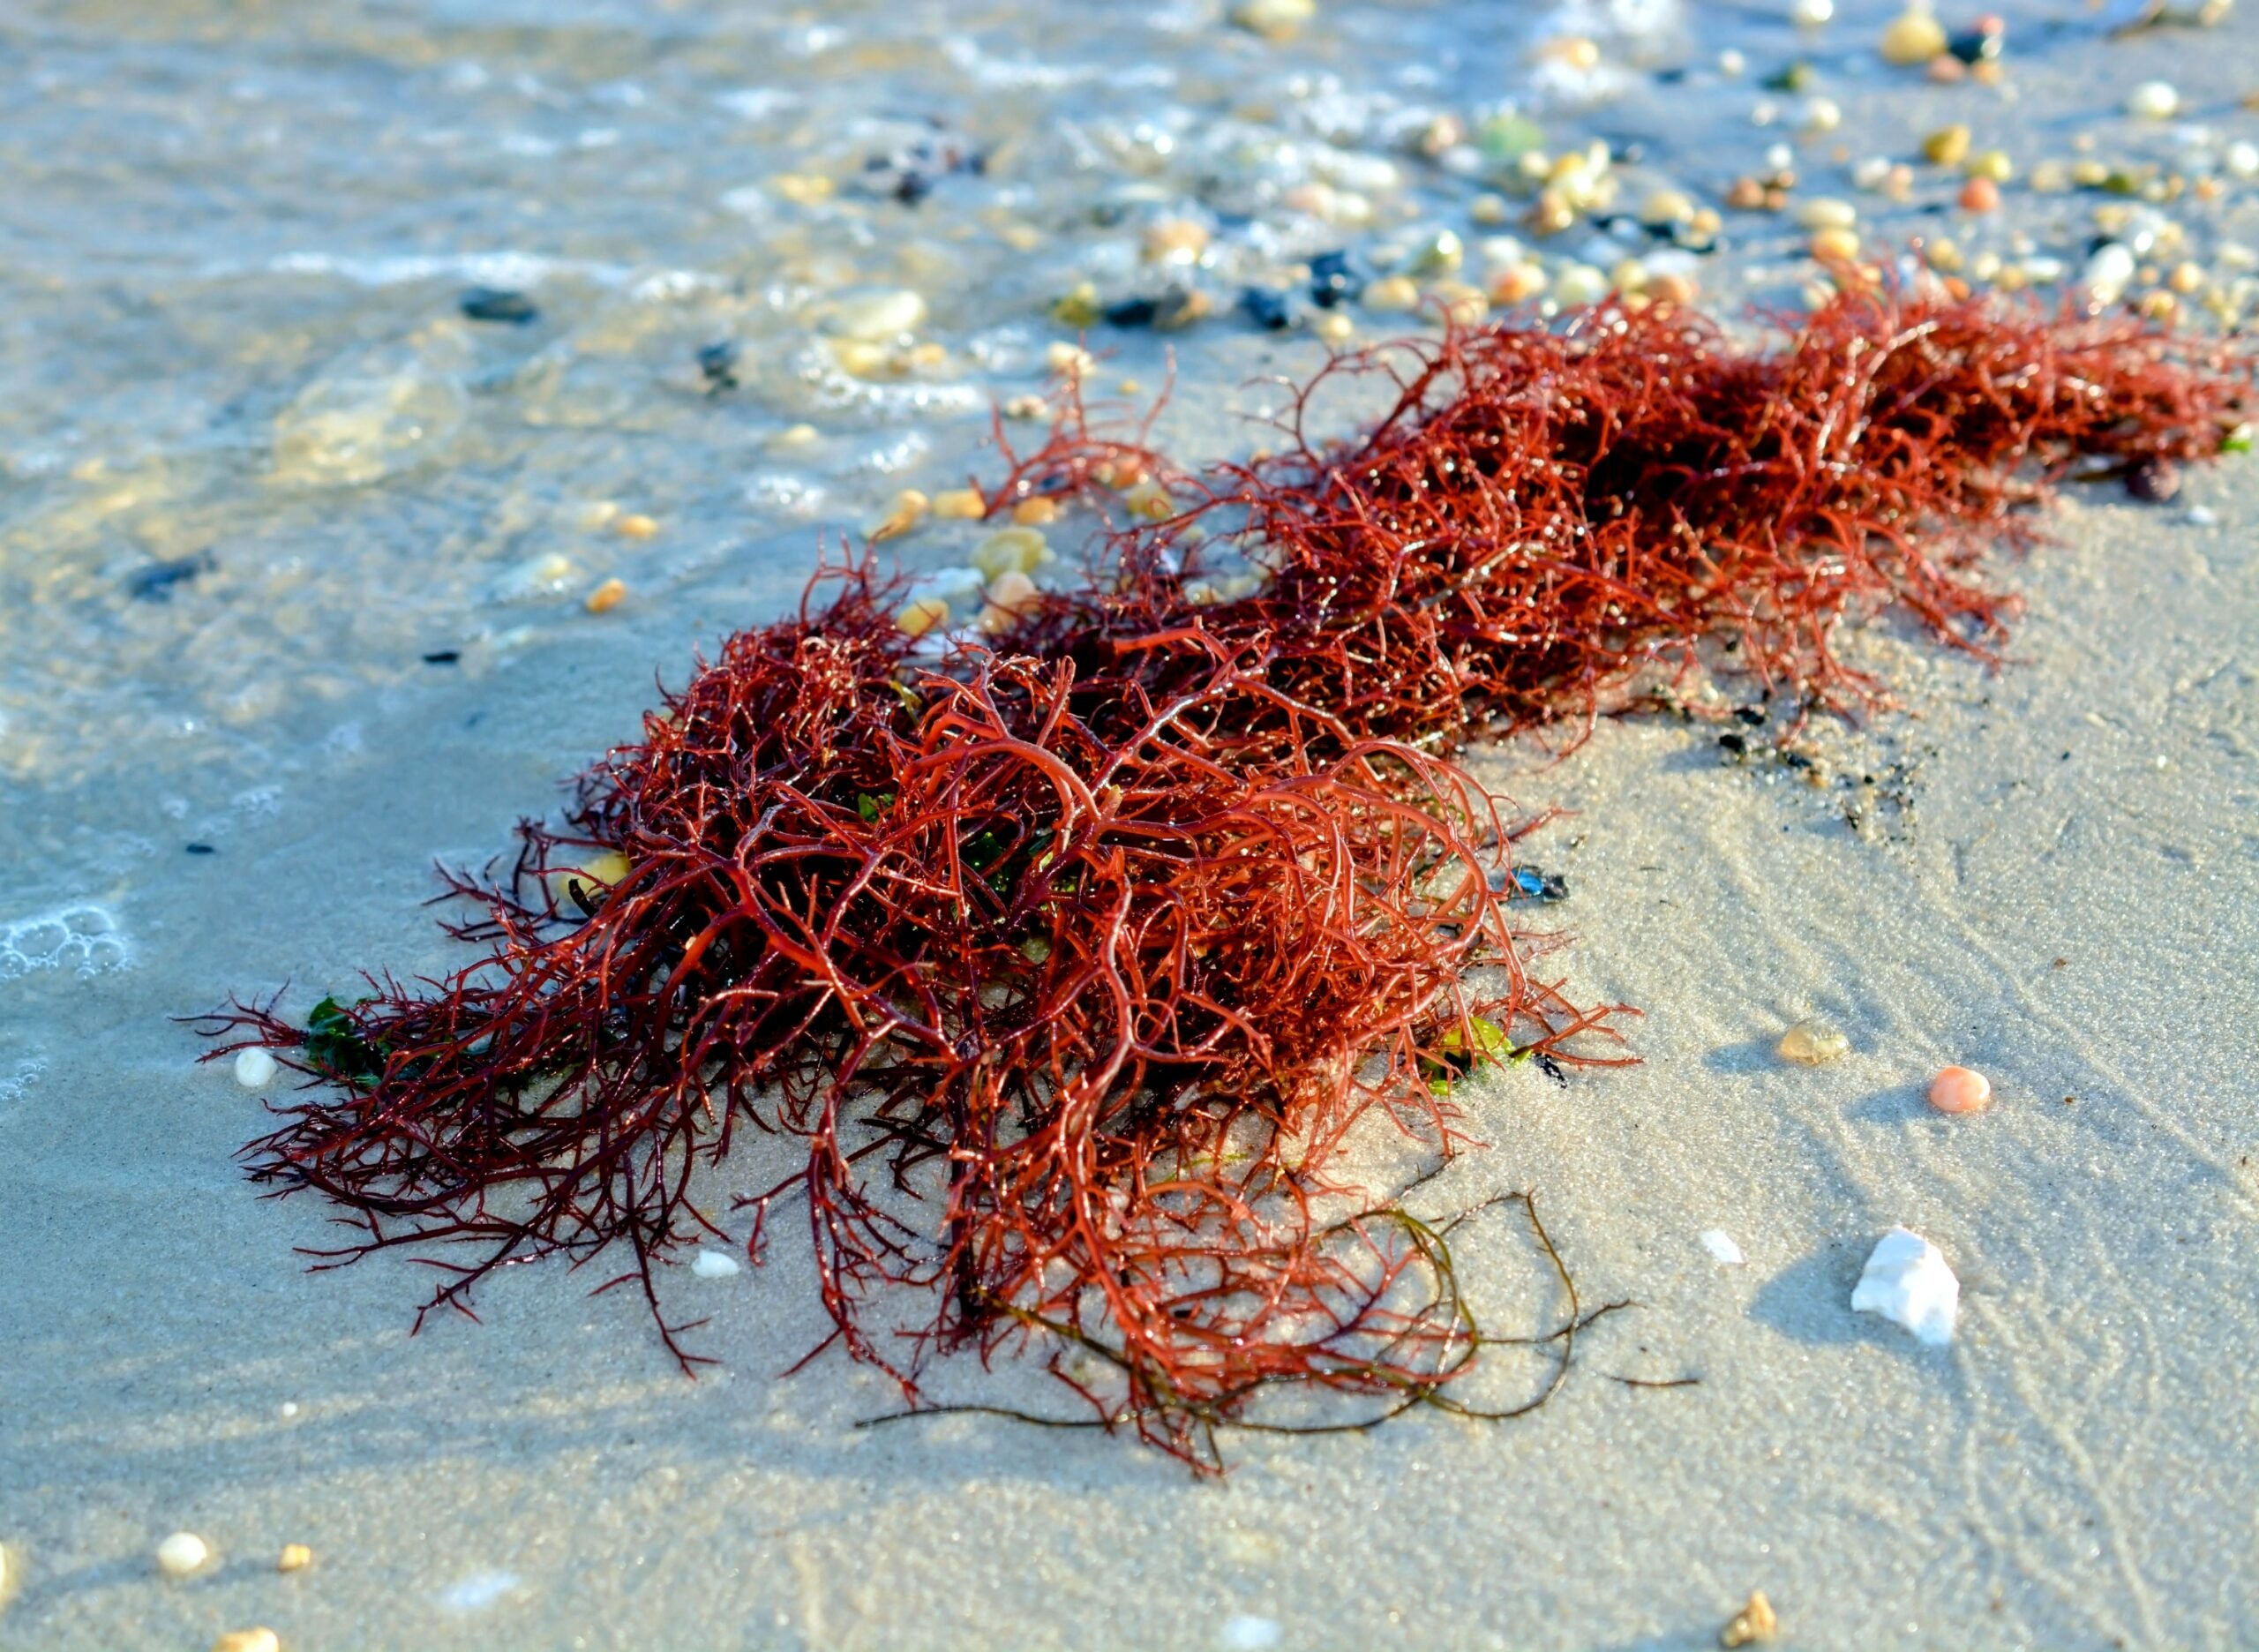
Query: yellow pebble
x=959 y=505
x=794 y=436
x=1834 y=247
x=1149 y=501
x=1174 y=240
x=599 y=514
x=1813 y=1043
x=1010 y=550
x=2159 y=307
x=1078 y=307
x=2186 y=278
x=1516 y=283
x=1463 y=305
x=803 y=188
x=1489 y=208
x=910 y=508
x=635 y=525
x=1753 y=1625
x=1948 y=145
x=607 y=595
x=1990 y=164
x=1072 y=360
x=259 y=1639
x=297 y=1557
x=1391 y=293
x=1674 y=290
x=1040 y=511
x=921 y=615
x=1913 y=37
x=1334 y=328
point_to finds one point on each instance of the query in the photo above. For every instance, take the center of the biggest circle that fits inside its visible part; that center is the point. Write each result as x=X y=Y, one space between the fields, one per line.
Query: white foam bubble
x=81 y=937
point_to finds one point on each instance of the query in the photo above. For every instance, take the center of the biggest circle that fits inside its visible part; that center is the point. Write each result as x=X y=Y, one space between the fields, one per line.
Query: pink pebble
x=1958 y=1090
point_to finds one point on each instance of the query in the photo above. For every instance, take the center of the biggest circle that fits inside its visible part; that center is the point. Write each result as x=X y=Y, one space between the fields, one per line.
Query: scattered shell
x=259 y=1639
x=1912 y=38
x=293 y=1558
x=1753 y=1625
x=182 y=1553
x=1906 y=1281
x=607 y=596
x=254 y=1069
x=1959 y=1090
x=714 y=1264
x=1719 y=1244
x=1814 y=1042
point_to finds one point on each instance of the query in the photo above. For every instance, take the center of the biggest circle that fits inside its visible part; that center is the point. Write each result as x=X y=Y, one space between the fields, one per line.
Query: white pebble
x=1719 y=1244
x=477 y=1591
x=1810 y=13
x=1907 y=1282
x=2153 y=100
x=254 y=1068
x=2241 y=159
x=182 y=1553
x=1732 y=62
x=2203 y=517
x=1580 y=284
x=2107 y=272
x=1821 y=115
x=877 y=318
x=714 y=1264
x=1825 y=211
x=1246 y=1633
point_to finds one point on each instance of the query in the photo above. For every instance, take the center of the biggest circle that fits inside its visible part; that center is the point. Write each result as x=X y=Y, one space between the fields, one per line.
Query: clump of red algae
x=1553 y=524
x=1073 y=962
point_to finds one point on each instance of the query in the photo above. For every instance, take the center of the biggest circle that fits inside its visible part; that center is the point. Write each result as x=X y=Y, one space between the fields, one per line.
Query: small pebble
x=607 y=596
x=1810 y=13
x=1992 y=164
x=1914 y=37
x=1948 y=145
x=254 y=1068
x=1753 y=1625
x=959 y=505
x=795 y=436
x=1039 y=511
x=1721 y=1245
x=182 y=1553
x=1821 y=115
x=635 y=525
x=1959 y=1090
x=1391 y=293
x=259 y=1639
x=1825 y=211
x=2154 y=480
x=1010 y=550
x=908 y=509
x=1814 y=1042
x=2153 y=100
x=1834 y=247
x=1980 y=195
x=1489 y=208
x=921 y=614
x=714 y=1264
x=495 y=303
x=1274 y=20
x=294 y=1558
x=876 y=317
x=1580 y=284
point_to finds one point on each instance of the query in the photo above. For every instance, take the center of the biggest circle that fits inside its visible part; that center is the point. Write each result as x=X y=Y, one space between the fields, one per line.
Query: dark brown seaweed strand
x=1074 y=962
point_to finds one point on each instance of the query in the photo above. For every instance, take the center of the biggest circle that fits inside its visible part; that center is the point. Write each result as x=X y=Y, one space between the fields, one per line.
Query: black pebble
x=1266 y=307
x=1331 y=280
x=1552 y=1070
x=1131 y=312
x=1754 y=715
x=443 y=656
x=718 y=362
x=202 y=849
x=155 y=582
x=1734 y=743
x=497 y=303
x=2156 y=480
x=1976 y=45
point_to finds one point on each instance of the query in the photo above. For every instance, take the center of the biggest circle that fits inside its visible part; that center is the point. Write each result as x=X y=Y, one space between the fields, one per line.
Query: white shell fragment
x=1907 y=1282
x=713 y=1265
x=1719 y=1244
x=182 y=1553
x=254 y=1068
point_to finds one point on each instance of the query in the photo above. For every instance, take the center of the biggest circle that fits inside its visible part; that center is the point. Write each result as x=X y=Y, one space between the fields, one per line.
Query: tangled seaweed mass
x=1073 y=958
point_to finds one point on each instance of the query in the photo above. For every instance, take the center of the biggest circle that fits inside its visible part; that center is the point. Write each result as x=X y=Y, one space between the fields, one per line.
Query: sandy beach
x=2054 y=881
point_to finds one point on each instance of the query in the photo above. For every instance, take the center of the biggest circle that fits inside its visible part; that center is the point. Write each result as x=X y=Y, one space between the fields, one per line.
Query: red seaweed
x=1074 y=961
